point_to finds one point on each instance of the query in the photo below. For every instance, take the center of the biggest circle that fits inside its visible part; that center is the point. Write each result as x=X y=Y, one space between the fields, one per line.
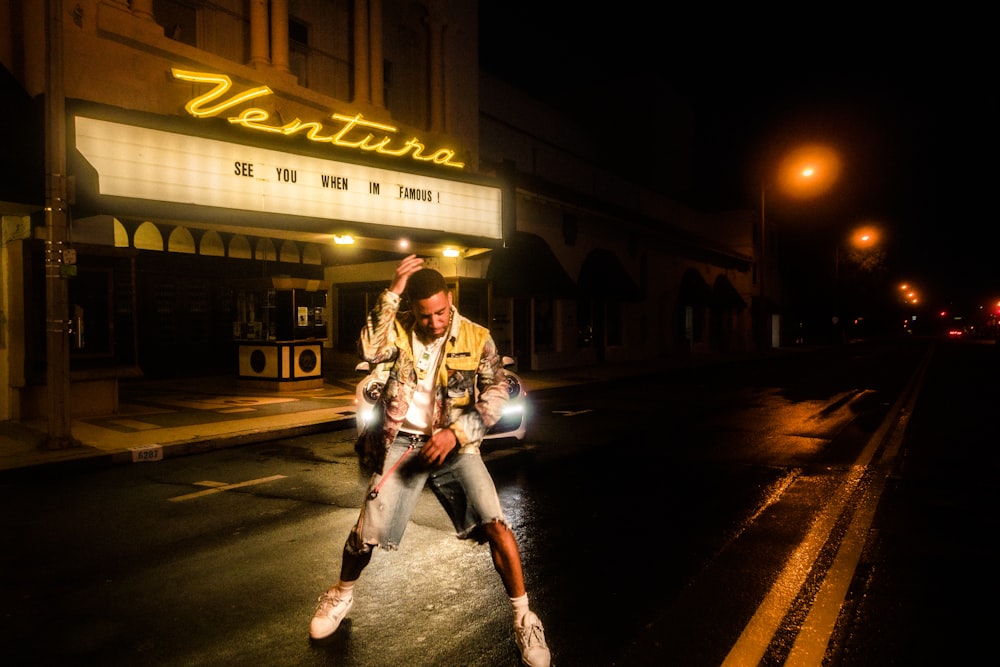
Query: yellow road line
x=814 y=636
x=813 y=639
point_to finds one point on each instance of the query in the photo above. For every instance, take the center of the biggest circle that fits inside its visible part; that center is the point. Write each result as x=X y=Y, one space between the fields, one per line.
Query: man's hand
x=437 y=449
x=410 y=265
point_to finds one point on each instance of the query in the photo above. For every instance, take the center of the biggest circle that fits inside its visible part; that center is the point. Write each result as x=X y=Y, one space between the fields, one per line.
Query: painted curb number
x=146 y=453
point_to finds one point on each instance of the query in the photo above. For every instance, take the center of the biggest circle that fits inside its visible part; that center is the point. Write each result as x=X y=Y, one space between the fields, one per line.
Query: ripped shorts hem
x=476 y=533
x=356 y=547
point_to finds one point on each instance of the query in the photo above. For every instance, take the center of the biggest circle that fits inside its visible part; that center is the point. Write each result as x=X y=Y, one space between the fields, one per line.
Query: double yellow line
x=855 y=497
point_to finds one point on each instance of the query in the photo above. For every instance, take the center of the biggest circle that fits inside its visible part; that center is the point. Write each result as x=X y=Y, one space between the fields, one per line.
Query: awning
x=527 y=267
x=603 y=277
x=22 y=171
x=724 y=295
x=694 y=291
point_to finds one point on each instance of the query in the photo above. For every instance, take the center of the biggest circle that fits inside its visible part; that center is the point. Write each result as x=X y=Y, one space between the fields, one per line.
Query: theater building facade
x=222 y=188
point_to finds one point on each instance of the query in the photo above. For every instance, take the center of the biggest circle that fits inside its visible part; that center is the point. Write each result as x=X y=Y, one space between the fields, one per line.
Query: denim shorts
x=462 y=484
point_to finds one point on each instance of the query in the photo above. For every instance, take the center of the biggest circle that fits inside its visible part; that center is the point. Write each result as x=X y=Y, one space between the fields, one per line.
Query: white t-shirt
x=418 y=417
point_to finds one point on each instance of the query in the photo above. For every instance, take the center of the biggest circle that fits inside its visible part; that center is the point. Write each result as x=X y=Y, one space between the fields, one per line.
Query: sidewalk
x=166 y=418
x=172 y=418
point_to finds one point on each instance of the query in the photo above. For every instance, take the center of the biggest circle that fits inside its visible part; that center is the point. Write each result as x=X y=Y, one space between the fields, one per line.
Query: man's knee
x=356 y=546
x=495 y=530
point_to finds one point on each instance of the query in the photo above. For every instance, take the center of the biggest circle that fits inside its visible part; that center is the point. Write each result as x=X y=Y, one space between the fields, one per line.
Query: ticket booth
x=280 y=328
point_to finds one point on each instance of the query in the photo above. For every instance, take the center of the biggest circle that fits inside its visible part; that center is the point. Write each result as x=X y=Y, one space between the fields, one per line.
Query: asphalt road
x=773 y=512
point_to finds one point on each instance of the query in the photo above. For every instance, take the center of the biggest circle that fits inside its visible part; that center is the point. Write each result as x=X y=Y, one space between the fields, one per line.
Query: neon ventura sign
x=254 y=118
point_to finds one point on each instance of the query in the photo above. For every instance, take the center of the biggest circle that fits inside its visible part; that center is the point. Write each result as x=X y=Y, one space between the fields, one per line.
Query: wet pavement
x=922 y=578
x=162 y=418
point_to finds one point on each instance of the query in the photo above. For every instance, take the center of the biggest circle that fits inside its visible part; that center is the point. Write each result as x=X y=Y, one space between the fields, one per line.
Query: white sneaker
x=530 y=637
x=330 y=611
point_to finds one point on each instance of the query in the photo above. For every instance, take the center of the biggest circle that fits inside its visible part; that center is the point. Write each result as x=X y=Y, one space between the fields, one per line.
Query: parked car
x=511 y=425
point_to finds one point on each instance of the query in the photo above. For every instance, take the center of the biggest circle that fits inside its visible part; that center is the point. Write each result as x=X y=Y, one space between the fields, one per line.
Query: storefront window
x=90 y=297
x=102 y=313
x=353 y=304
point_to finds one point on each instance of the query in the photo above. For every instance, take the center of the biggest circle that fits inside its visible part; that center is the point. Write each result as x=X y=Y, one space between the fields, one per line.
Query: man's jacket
x=470 y=393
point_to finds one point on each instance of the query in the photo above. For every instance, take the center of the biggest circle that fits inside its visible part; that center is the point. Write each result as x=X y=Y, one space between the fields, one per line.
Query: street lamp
x=862 y=240
x=803 y=173
x=808 y=171
x=861 y=245
x=908 y=294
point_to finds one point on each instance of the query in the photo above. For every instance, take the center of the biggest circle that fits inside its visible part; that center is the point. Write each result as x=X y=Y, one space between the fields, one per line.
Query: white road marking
x=218 y=487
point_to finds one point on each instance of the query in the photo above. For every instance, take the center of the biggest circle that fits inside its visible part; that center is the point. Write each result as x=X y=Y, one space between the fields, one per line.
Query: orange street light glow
x=865 y=237
x=808 y=171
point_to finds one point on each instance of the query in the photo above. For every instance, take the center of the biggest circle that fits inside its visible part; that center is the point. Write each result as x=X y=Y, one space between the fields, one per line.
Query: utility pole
x=765 y=320
x=56 y=291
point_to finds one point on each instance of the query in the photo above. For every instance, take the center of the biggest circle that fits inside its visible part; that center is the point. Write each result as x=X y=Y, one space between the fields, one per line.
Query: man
x=446 y=387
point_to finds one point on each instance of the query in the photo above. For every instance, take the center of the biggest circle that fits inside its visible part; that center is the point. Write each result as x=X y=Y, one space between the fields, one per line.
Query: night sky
x=907 y=101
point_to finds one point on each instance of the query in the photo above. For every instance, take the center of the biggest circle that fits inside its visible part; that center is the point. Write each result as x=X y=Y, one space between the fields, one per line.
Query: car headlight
x=364 y=416
x=512 y=409
x=513 y=385
x=372 y=390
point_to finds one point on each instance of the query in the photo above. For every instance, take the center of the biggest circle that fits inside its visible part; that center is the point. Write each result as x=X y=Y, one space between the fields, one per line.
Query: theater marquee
x=143 y=163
